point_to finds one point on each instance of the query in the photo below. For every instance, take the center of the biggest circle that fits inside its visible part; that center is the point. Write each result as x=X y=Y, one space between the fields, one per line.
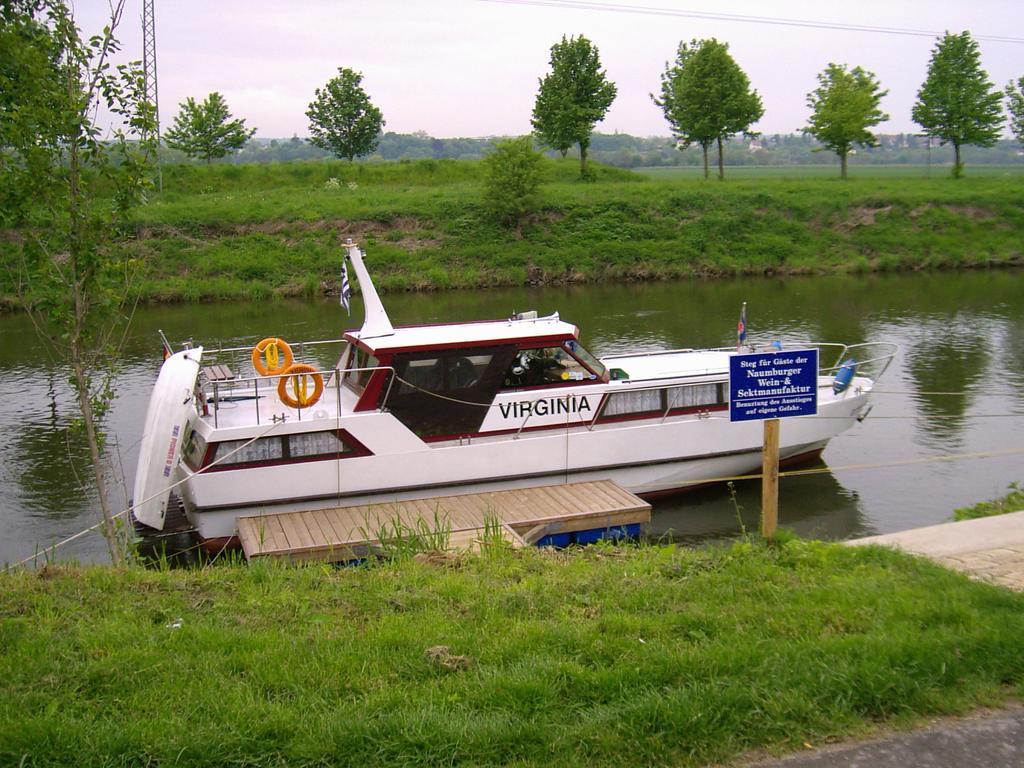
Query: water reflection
x=815 y=506
x=54 y=471
x=945 y=364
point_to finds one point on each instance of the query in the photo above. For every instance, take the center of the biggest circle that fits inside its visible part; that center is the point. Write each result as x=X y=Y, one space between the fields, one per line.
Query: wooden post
x=770 y=479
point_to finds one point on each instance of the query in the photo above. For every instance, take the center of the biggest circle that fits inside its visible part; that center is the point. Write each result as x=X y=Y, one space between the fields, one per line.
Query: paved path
x=989 y=548
x=987 y=740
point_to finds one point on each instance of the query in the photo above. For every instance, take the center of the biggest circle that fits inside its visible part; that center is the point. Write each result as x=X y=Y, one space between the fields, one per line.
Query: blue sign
x=773 y=385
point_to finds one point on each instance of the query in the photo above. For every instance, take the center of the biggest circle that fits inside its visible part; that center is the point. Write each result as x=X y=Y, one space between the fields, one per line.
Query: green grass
x=603 y=657
x=243 y=232
x=1013 y=501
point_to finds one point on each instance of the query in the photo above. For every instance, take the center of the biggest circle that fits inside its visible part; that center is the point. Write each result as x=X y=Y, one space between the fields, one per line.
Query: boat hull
x=648 y=458
x=167 y=416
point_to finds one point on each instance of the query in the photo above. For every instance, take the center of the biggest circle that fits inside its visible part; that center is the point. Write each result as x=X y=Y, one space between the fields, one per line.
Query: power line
x=645 y=10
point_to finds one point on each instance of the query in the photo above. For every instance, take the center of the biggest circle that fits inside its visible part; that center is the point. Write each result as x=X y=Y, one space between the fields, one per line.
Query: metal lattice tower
x=149 y=71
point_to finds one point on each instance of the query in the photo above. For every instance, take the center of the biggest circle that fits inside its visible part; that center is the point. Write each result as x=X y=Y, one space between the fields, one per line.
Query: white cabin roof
x=471 y=334
x=663 y=365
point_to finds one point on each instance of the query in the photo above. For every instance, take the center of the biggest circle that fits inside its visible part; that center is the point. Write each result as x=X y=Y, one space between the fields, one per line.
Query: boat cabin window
x=441 y=373
x=359 y=369
x=443 y=393
x=230 y=454
x=662 y=400
x=549 y=365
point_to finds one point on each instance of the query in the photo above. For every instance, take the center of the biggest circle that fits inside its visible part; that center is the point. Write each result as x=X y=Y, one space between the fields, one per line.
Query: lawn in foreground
x=635 y=656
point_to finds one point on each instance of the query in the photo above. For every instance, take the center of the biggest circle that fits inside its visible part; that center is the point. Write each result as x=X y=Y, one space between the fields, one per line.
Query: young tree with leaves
x=206 y=130
x=706 y=98
x=844 y=105
x=67 y=191
x=1015 y=108
x=573 y=97
x=341 y=118
x=957 y=103
x=511 y=181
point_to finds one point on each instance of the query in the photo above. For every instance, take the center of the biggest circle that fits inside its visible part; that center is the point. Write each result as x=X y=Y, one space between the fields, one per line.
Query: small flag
x=346 y=289
x=741 y=326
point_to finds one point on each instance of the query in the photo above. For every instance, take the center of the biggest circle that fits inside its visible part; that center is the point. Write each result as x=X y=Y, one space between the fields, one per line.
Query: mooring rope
x=123 y=512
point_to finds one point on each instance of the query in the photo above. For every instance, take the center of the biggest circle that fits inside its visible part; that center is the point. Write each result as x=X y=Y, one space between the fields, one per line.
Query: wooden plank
x=504 y=505
x=525 y=514
x=298 y=536
x=538 y=505
x=562 y=499
x=316 y=533
x=590 y=497
x=255 y=534
x=280 y=539
x=326 y=526
x=431 y=510
x=468 y=513
x=302 y=526
x=611 y=499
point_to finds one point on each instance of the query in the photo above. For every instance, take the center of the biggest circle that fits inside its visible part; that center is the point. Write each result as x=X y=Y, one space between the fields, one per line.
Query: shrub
x=512 y=177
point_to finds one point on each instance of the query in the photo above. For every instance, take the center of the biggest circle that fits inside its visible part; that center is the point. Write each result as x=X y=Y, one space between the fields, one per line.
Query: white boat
x=418 y=411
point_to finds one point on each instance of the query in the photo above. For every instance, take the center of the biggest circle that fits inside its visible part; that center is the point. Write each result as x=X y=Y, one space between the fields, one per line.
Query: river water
x=959 y=333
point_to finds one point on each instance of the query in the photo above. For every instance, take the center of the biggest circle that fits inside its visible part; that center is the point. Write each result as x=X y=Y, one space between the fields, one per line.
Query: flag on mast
x=741 y=327
x=346 y=289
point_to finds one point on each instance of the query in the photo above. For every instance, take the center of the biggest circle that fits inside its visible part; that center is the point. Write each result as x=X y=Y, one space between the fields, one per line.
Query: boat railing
x=873 y=358
x=217 y=392
x=880 y=354
x=240 y=357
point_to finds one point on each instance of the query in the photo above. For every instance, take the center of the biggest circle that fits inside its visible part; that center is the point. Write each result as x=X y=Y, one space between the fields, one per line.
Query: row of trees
x=707 y=99
x=705 y=96
x=342 y=121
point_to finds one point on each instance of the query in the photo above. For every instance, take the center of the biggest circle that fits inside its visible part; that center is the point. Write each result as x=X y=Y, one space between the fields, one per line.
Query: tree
x=844 y=106
x=206 y=130
x=706 y=98
x=572 y=98
x=67 y=192
x=341 y=118
x=1015 y=107
x=511 y=181
x=957 y=103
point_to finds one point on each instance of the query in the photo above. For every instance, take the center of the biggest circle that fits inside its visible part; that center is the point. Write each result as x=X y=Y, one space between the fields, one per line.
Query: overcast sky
x=470 y=67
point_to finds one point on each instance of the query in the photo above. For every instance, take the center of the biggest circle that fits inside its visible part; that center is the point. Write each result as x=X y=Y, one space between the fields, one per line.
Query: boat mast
x=375 y=318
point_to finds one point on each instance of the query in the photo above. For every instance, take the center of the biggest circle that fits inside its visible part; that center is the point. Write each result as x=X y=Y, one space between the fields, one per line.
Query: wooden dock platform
x=522 y=517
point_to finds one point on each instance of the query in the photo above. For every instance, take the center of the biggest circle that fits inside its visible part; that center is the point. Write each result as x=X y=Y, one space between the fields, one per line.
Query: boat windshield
x=358 y=370
x=551 y=365
x=588 y=359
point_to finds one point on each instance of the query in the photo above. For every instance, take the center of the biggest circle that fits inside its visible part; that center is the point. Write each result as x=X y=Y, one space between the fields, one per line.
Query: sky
x=470 y=67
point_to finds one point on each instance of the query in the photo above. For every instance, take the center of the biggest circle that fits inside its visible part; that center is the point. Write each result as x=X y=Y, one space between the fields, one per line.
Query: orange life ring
x=299 y=376
x=278 y=356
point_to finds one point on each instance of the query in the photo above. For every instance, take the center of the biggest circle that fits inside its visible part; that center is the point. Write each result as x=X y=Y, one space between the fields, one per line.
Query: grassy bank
x=647 y=656
x=259 y=231
x=1013 y=501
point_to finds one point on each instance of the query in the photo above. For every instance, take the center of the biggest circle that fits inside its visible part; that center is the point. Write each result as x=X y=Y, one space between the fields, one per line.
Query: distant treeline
x=625 y=151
